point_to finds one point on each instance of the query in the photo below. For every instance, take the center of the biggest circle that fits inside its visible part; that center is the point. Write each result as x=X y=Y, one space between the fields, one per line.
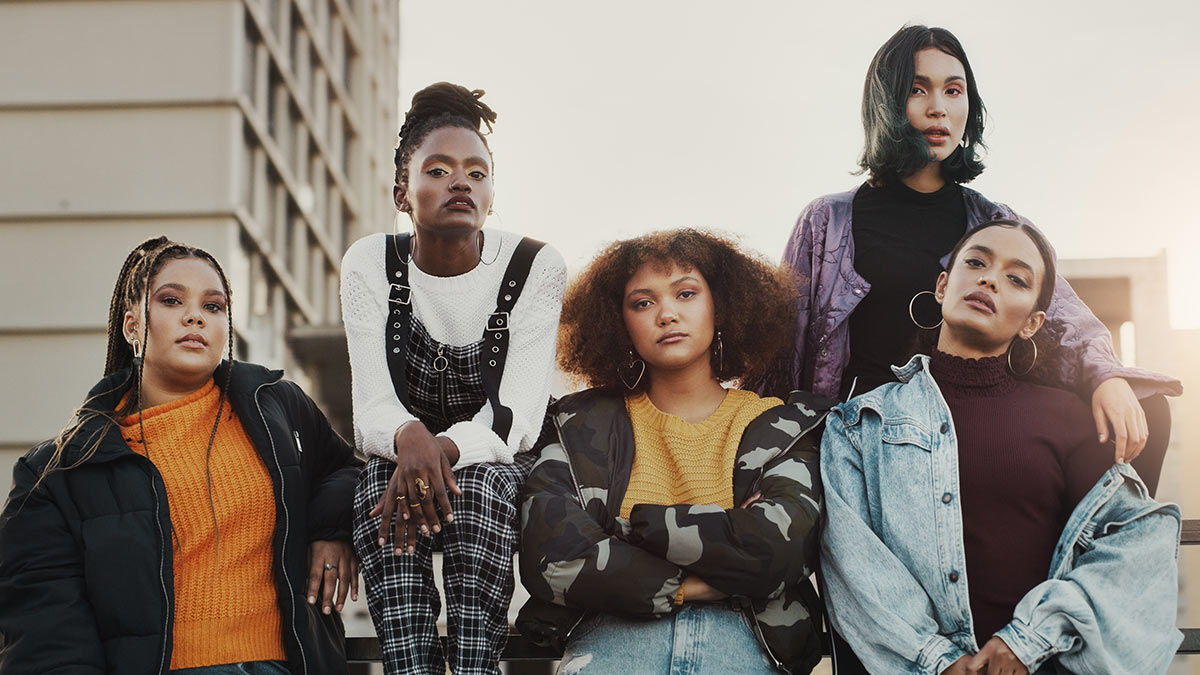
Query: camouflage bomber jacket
x=578 y=556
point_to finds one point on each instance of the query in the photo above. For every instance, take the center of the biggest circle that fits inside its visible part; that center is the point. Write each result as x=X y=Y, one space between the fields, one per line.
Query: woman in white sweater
x=451 y=331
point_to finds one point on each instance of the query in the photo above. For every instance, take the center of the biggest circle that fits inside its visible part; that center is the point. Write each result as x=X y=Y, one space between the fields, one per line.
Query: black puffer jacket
x=86 y=579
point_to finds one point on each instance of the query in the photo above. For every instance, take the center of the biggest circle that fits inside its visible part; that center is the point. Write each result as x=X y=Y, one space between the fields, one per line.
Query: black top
x=900 y=237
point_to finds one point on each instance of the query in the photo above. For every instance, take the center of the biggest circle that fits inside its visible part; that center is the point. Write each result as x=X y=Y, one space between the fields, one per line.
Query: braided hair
x=130 y=291
x=437 y=106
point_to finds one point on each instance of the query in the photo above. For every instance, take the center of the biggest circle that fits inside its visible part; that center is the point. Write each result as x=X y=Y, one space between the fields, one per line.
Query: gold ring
x=422 y=489
x=401 y=498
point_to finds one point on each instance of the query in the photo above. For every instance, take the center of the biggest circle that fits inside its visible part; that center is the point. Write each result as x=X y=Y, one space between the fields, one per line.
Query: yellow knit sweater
x=226 y=609
x=676 y=462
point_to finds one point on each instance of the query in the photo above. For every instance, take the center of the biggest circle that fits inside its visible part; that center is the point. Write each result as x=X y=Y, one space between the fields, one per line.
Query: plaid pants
x=477 y=557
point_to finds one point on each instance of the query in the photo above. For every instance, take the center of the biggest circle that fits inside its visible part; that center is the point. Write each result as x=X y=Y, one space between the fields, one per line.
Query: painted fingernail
x=406 y=516
x=341 y=606
x=382 y=541
x=412 y=549
x=399 y=552
x=449 y=517
x=424 y=530
x=312 y=600
x=326 y=610
x=437 y=528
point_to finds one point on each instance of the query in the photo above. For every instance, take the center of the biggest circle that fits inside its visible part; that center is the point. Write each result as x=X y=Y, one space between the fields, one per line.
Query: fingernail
x=311 y=600
x=424 y=530
x=399 y=552
x=326 y=610
x=341 y=606
x=437 y=528
x=449 y=517
x=382 y=541
x=411 y=549
x=406 y=516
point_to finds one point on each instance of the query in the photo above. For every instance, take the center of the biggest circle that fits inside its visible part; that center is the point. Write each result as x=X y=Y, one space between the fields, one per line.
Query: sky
x=619 y=117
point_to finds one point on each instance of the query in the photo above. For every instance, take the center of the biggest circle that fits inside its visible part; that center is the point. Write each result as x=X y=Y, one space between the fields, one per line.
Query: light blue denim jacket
x=894 y=565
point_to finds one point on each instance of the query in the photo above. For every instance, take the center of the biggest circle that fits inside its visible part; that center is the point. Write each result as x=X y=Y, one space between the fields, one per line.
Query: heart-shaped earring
x=628 y=373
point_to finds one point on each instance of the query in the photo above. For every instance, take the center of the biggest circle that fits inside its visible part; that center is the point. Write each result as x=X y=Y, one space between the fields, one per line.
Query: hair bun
x=446 y=98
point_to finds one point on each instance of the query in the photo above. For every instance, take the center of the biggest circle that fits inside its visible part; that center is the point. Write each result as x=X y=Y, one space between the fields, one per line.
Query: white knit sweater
x=454 y=310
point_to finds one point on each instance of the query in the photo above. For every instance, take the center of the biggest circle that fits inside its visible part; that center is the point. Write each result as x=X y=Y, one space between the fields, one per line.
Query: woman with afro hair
x=672 y=522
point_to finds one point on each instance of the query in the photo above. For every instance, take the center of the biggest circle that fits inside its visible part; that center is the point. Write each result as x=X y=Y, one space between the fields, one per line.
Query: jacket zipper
x=296 y=435
x=286 y=520
x=571 y=469
x=162 y=662
x=748 y=613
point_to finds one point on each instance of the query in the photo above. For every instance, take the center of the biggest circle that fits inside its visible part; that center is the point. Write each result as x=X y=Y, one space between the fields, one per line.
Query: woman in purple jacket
x=866 y=258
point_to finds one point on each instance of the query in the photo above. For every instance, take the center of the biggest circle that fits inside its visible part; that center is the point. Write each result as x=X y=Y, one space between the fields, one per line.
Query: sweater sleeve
x=377 y=410
x=528 y=370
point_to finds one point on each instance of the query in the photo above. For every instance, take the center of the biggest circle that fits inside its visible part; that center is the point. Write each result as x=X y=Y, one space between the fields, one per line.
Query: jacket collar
x=107 y=393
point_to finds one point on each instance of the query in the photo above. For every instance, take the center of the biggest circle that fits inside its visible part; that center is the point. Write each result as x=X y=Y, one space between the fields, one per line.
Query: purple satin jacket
x=821 y=253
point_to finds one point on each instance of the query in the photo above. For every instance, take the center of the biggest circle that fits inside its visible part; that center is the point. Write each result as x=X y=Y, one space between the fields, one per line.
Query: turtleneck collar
x=971 y=377
x=896 y=189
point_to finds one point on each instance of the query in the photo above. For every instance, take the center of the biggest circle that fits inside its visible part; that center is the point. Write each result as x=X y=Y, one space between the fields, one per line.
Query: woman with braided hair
x=451 y=331
x=193 y=517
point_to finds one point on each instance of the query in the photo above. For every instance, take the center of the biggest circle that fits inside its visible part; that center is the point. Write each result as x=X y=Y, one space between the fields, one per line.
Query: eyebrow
x=447 y=159
x=678 y=281
x=925 y=80
x=1015 y=261
x=181 y=287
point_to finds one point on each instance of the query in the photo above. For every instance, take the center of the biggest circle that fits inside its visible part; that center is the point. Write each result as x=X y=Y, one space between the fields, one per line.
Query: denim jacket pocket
x=906 y=432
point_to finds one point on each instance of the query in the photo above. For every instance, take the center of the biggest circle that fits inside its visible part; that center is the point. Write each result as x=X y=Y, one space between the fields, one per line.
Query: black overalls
x=442 y=385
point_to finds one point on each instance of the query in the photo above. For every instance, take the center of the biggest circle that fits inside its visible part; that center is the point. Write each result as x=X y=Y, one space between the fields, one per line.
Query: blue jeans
x=251 y=668
x=699 y=639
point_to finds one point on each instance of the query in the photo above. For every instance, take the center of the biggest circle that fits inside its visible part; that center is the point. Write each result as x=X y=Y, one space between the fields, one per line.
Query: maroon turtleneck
x=1026 y=455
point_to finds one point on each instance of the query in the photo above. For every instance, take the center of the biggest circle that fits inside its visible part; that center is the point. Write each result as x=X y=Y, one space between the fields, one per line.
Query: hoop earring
x=914 y=318
x=720 y=354
x=637 y=364
x=1031 y=363
x=136 y=344
x=479 y=239
x=964 y=143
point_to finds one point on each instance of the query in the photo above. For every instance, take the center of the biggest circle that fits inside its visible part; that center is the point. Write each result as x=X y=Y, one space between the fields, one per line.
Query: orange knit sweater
x=675 y=462
x=226 y=608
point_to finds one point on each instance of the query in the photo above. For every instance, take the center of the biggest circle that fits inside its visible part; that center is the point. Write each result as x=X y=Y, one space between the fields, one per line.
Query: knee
x=488 y=480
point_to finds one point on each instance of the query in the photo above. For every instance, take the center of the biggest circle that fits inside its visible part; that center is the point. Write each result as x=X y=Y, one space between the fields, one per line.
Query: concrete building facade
x=261 y=130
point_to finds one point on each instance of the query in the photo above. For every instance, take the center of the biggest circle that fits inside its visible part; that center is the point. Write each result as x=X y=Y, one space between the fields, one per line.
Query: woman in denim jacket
x=952 y=492
x=861 y=255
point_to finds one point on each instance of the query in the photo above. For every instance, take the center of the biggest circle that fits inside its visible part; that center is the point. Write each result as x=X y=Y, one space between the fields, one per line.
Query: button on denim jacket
x=894 y=566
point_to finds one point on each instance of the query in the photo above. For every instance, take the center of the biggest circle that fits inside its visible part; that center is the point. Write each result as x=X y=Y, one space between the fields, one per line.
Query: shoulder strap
x=495 y=336
x=399 y=316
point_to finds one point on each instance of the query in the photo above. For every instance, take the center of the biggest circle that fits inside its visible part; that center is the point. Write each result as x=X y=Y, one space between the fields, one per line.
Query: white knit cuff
x=477 y=444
